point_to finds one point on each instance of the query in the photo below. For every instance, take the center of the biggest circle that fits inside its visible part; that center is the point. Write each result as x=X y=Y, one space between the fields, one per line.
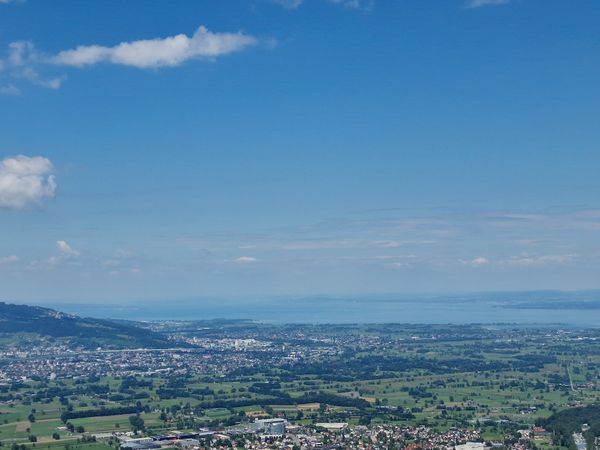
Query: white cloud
x=160 y=52
x=66 y=249
x=4 y=260
x=245 y=260
x=475 y=262
x=25 y=180
x=481 y=3
x=25 y=62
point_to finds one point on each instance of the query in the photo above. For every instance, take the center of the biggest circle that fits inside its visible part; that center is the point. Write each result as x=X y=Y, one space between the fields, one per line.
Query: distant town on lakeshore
x=233 y=383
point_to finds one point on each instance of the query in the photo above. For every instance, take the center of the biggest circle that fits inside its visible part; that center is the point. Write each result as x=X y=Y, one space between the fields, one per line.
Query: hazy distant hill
x=83 y=331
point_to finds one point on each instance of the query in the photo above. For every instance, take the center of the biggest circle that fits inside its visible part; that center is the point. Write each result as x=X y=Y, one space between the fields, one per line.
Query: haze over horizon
x=154 y=149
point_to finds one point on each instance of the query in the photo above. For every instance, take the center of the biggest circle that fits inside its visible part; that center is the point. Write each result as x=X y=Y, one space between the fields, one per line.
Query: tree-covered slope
x=568 y=421
x=84 y=331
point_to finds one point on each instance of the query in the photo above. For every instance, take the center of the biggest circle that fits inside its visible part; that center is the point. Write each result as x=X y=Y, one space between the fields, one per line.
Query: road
x=580 y=441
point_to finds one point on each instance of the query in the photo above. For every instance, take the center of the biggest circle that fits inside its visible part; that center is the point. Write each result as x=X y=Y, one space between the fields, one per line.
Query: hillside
x=86 y=332
x=568 y=421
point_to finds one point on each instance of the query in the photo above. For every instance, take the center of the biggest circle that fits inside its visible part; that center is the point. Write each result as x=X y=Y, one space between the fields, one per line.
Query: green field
x=470 y=378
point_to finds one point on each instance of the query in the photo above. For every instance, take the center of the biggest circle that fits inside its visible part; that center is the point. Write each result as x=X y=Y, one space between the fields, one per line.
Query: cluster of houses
x=278 y=433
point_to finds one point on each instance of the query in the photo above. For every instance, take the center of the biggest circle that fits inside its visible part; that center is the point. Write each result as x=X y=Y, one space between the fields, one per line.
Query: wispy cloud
x=122 y=253
x=25 y=180
x=533 y=242
x=438 y=241
x=475 y=262
x=66 y=249
x=245 y=260
x=5 y=260
x=66 y=254
x=20 y=64
x=9 y=89
x=21 y=53
x=482 y=3
x=400 y=265
x=354 y=4
x=289 y=4
x=386 y=261
x=159 y=52
x=584 y=220
x=349 y=244
x=525 y=260
x=32 y=75
x=376 y=258
x=350 y=4
x=121 y=262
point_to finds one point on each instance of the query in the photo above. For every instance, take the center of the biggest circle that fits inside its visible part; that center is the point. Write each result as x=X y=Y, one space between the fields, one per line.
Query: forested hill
x=568 y=421
x=86 y=332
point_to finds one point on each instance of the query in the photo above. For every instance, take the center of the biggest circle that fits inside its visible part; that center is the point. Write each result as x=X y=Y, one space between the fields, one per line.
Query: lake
x=489 y=308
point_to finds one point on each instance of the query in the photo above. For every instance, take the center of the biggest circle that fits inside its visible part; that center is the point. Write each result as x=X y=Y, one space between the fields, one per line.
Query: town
x=244 y=384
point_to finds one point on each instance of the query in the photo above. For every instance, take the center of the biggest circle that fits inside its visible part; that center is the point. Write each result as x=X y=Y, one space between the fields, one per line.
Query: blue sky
x=156 y=149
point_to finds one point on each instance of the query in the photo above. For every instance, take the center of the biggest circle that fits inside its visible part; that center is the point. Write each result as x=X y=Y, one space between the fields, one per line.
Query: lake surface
x=459 y=310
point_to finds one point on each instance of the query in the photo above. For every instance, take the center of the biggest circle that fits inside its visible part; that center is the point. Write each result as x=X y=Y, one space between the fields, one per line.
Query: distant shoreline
x=581 y=309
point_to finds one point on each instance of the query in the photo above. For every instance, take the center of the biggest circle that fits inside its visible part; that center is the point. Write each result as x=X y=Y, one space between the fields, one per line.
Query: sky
x=152 y=149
